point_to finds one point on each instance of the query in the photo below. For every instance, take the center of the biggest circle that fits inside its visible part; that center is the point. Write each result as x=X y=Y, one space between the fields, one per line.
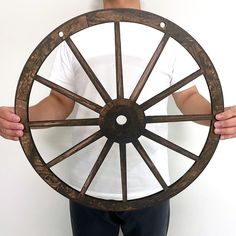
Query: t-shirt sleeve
x=184 y=65
x=63 y=72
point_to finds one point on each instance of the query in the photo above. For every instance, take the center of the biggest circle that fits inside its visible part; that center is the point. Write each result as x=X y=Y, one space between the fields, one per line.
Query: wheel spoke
x=152 y=101
x=60 y=123
x=96 y=166
x=123 y=166
x=150 y=164
x=83 y=101
x=119 y=69
x=94 y=137
x=149 y=68
x=178 y=118
x=88 y=70
x=169 y=145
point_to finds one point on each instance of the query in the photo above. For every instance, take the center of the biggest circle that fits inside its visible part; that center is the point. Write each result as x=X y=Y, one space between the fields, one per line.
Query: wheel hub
x=122 y=120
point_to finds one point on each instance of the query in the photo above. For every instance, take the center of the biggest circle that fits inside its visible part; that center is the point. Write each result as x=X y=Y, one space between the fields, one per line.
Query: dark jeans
x=151 y=221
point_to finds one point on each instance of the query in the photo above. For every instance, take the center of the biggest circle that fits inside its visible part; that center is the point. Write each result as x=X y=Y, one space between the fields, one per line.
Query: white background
x=28 y=206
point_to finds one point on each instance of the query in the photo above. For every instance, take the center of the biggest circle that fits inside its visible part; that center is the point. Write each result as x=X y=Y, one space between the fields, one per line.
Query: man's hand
x=226 y=123
x=10 y=126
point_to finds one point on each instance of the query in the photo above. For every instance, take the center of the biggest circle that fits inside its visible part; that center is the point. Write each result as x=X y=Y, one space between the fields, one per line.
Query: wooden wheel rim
x=63 y=33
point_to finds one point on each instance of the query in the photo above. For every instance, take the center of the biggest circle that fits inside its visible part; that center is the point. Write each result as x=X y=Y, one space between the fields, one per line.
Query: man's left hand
x=225 y=125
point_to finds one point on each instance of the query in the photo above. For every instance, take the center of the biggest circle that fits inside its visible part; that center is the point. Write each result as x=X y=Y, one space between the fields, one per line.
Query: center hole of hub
x=121 y=120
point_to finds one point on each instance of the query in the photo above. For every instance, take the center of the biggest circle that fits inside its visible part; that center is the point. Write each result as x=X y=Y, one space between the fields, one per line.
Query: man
x=86 y=221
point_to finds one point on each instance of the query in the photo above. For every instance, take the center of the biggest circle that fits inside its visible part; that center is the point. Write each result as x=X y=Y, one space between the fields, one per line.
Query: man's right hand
x=10 y=126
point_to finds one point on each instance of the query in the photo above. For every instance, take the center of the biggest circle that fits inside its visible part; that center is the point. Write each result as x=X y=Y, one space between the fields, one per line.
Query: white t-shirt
x=96 y=44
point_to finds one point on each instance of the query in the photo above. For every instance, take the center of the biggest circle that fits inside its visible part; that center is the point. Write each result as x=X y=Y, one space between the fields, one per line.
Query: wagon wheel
x=135 y=125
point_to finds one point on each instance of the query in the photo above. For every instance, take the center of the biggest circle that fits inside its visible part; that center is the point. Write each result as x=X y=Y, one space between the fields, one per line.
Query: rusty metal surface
x=136 y=125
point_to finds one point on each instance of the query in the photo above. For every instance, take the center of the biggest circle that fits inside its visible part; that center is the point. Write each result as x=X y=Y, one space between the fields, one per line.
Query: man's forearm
x=191 y=102
x=196 y=104
x=53 y=107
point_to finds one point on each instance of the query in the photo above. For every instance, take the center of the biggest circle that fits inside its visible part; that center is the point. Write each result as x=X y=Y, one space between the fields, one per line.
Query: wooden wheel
x=135 y=122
